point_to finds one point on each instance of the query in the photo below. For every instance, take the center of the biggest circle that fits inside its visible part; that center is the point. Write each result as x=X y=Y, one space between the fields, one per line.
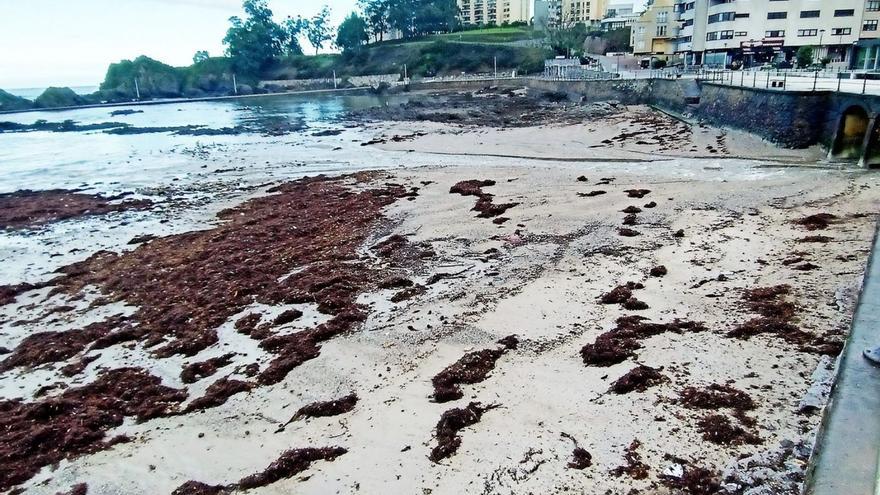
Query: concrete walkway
x=848 y=450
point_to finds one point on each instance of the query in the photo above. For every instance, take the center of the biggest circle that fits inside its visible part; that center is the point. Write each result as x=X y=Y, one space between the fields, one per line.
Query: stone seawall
x=792 y=119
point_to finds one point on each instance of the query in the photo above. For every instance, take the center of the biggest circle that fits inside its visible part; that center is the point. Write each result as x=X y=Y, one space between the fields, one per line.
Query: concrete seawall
x=845 y=124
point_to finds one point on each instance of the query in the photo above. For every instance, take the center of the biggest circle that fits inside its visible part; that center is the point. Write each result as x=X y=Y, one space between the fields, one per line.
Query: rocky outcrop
x=10 y=102
x=59 y=97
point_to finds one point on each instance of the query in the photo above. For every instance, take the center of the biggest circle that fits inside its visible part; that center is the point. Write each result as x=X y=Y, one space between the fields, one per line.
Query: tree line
x=256 y=41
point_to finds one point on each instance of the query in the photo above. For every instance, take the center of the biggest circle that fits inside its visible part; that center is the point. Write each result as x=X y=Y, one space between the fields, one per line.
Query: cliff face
x=10 y=102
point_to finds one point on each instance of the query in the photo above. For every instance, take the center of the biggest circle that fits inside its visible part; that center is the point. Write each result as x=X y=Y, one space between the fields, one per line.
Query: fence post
x=755 y=79
x=865 y=83
x=742 y=80
x=838 y=82
x=767 y=86
x=815 y=79
x=785 y=81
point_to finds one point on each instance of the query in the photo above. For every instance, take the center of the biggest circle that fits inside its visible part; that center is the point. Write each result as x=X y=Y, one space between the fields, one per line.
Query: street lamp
x=821 y=35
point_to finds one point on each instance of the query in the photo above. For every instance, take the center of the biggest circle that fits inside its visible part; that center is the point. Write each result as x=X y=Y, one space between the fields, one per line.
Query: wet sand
x=299 y=353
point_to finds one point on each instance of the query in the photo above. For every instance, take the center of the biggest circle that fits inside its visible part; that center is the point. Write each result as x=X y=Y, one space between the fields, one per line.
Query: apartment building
x=655 y=32
x=496 y=12
x=549 y=13
x=753 y=32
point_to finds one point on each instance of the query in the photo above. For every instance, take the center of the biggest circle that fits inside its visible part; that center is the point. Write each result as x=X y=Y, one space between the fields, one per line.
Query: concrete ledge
x=845 y=460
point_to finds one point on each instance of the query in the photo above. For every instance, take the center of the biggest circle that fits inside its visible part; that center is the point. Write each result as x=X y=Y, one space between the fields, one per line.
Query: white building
x=752 y=32
x=493 y=12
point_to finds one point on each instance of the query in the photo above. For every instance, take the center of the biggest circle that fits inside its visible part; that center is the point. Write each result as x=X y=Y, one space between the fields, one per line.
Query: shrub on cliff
x=10 y=102
x=59 y=97
x=154 y=79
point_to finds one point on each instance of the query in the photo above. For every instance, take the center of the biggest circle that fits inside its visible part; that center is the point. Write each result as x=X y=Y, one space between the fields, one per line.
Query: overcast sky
x=71 y=42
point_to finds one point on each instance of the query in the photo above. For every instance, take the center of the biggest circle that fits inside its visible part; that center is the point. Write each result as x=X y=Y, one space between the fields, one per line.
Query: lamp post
x=821 y=36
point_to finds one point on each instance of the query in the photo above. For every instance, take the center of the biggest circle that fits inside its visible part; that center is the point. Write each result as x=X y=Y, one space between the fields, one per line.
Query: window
x=662 y=17
x=722 y=17
x=777 y=15
x=726 y=35
x=775 y=34
x=841 y=31
x=809 y=14
x=661 y=31
x=746 y=15
x=873 y=6
x=712 y=36
x=808 y=32
x=870 y=26
x=741 y=33
x=844 y=13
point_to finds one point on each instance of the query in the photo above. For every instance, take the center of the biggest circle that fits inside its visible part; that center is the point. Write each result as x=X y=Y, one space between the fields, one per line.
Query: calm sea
x=32 y=93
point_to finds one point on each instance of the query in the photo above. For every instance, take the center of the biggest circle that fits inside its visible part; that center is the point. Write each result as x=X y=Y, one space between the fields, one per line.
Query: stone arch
x=850 y=134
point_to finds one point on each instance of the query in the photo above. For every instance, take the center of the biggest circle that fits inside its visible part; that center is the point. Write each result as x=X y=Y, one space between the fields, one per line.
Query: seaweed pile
x=485 y=205
x=312 y=228
x=776 y=319
x=27 y=209
x=471 y=368
x=621 y=342
x=451 y=422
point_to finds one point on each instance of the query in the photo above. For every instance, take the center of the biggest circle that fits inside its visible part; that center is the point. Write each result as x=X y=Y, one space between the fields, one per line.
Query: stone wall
x=792 y=119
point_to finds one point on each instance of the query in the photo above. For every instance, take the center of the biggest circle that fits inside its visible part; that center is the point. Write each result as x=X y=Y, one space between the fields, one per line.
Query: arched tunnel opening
x=851 y=132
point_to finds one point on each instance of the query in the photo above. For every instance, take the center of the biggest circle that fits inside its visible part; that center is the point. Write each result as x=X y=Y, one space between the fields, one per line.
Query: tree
x=804 y=56
x=253 y=44
x=318 y=30
x=201 y=56
x=435 y=16
x=376 y=13
x=293 y=29
x=352 y=33
x=567 y=37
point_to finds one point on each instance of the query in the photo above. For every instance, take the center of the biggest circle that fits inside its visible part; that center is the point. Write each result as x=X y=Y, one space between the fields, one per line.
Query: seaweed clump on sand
x=196 y=371
x=777 y=316
x=42 y=433
x=471 y=368
x=621 y=293
x=31 y=209
x=659 y=271
x=634 y=468
x=819 y=221
x=290 y=463
x=218 y=393
x=637 y=193
x=720 y=430
x=621 y=342
x=717 y=428
x=638 y=379
x=580 y=459
x=199 y=488
x=694 y=481
x=716 y=396
x=485 y=202
x=451 y=422
x=326 y=408
x=52 y=347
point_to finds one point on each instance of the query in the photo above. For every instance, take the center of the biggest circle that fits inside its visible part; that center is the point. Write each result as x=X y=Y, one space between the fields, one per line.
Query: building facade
x=493 y=12
x=550 y=13
x=733 y=33
x=655 y=32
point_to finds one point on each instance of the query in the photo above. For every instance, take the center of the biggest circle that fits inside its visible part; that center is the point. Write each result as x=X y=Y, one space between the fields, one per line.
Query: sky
x=72 y=42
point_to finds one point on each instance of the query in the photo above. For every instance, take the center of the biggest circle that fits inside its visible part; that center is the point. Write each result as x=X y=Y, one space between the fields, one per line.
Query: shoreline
x=317 y=92
x=363 y=322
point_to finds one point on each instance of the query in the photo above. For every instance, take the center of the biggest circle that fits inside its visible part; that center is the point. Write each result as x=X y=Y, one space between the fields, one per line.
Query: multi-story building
x=751 y=32
x=549 y=13
x=654 y=33
x=493 y=12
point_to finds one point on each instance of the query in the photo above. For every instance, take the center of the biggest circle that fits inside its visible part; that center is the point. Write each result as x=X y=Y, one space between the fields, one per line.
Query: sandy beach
x=600 y=300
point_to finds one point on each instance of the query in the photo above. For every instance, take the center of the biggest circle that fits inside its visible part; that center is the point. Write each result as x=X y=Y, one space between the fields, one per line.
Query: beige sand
x=559 y=252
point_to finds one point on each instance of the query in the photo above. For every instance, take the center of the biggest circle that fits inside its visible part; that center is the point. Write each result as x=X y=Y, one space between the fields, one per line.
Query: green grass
x=422 y=59
x=490 y=35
